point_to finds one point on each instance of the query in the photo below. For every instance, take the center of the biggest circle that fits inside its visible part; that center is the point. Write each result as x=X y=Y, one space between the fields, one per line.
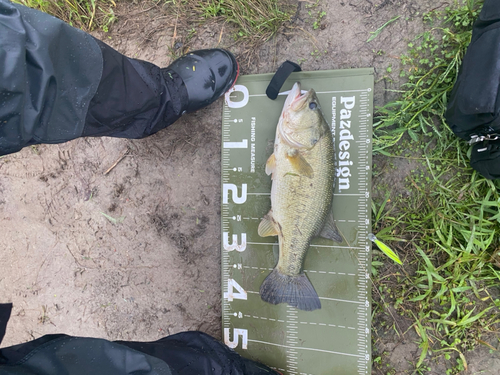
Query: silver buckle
x=479 y=138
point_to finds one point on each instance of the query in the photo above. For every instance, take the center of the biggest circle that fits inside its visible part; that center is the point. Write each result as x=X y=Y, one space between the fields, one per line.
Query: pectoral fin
x=330 y=230
x=299 y=164
x=266 y=226
x=270 y=164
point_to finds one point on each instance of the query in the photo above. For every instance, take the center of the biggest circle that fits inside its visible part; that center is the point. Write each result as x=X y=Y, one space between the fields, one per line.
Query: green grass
x=430 y=66
x=256 y=21
x=447 y=227
x=83 y=14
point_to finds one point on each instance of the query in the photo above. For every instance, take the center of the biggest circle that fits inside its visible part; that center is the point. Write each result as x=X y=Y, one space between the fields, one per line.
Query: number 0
x=242 y=102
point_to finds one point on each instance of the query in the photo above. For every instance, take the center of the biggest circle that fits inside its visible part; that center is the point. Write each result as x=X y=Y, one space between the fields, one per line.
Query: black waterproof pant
x=58 y=83
x=473 y=110
x=186 y=353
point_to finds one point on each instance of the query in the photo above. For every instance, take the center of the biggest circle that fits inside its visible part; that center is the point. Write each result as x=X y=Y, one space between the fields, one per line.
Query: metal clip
x=480 y=138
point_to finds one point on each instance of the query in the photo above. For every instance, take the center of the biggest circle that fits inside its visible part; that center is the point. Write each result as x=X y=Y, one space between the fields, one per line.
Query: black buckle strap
x=279 y=78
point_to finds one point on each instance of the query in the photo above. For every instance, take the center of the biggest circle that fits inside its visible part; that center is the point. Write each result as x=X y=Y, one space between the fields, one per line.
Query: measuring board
x=336 y=338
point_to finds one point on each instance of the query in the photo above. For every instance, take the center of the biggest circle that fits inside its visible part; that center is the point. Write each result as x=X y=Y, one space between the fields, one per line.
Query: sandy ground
x=134 y=254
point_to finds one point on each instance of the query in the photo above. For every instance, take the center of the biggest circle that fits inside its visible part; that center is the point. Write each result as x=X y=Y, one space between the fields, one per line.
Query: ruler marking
x=321 y=246
x=304 y=348
x=317 y=92
x=340 y=300
x=347 y=195
x=323 y=298
x=262 y=243
x=361 y=173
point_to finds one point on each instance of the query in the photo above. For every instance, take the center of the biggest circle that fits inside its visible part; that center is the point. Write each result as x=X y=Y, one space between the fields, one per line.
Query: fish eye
x=312 y=105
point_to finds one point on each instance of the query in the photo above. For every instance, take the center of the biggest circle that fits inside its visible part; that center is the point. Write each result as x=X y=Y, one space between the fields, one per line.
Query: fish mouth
x=293 y=95
x=296 y=91
x=296 y=100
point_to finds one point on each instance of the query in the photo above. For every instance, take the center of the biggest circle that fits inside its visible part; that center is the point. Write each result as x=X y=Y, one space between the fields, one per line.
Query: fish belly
x=301 y=204
x=299 y=208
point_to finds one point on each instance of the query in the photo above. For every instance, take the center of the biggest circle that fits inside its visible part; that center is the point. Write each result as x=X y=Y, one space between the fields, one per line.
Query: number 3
x=234 y=245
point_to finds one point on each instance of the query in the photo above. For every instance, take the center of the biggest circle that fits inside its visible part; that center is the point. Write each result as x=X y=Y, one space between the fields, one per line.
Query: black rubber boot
x=136 y=98
x=207 y=74
x=74 y=85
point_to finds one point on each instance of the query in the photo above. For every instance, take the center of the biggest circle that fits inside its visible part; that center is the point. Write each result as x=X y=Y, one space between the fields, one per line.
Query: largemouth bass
x=303 y=177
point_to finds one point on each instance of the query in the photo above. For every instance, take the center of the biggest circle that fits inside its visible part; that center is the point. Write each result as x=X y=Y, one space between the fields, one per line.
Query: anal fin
x=330 y=230
x=266 y=226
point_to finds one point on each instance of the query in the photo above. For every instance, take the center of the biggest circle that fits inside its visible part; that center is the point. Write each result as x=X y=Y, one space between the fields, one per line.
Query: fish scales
x=300 y=204
x=303 y=177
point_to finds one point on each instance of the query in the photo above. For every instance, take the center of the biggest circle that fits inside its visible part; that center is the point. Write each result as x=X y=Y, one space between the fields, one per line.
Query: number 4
x=230 y=295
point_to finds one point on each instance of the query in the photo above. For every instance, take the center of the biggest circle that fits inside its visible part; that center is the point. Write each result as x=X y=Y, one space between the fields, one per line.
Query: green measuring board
x=336 y=338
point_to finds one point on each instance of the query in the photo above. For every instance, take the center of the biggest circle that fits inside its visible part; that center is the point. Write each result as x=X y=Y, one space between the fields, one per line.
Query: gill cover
x=301 y=123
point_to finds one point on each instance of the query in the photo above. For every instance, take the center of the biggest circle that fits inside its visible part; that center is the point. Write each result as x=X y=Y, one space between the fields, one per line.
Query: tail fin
x=297 y=291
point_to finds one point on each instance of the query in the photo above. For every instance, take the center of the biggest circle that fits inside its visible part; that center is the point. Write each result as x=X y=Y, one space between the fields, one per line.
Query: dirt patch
x=134 y=254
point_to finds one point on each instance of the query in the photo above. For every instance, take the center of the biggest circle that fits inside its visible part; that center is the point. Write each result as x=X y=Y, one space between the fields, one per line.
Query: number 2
x=226 y=188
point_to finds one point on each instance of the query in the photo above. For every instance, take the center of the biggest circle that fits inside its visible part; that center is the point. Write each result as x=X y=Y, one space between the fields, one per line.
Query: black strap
x=5 y=310
x=280 y=77
x=485 y=158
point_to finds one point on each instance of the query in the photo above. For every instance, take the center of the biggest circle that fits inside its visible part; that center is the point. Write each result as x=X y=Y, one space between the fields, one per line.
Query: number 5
x=236 y=332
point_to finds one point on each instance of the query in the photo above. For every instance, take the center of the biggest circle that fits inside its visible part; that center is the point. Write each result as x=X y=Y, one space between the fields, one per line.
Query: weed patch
x=446 y=228
x=84 y=14
x=255 y=21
